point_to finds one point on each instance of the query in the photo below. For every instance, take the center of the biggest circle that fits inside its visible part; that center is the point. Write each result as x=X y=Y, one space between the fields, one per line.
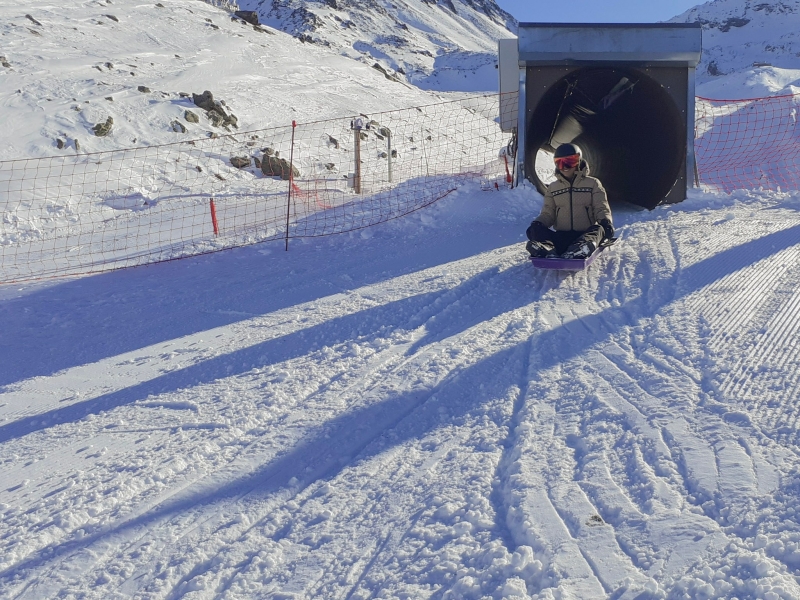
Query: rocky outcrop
x=103 y=129
x=449 y=5
x=389 y=76
x=733 y=22
x=273 y=166
x=205 y=100
x=249 y=16
x=240 y=162
x=215 y=110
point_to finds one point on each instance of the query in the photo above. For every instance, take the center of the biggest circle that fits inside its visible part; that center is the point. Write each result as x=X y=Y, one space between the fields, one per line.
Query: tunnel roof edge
x=615 y=25
x=567 y=43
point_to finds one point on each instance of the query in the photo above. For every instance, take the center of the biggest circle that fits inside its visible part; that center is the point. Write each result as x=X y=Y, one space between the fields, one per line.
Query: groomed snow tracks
x=468 y=430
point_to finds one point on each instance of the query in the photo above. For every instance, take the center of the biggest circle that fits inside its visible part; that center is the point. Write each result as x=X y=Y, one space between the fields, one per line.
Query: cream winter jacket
x=574 y=206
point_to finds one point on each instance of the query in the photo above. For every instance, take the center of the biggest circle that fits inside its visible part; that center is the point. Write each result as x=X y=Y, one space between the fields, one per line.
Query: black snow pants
x=563 y=239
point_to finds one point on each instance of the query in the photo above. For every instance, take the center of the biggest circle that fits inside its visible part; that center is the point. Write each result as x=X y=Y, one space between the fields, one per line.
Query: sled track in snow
x=633 y=463
x=383 y=365
x=626 y=431
x=392 y=539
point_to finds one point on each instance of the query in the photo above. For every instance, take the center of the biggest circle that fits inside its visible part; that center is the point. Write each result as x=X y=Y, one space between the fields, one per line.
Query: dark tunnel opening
x=628 y=126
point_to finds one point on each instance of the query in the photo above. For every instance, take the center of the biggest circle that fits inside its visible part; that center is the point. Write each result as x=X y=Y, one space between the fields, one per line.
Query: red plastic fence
x=77 y=214
x=748 y=144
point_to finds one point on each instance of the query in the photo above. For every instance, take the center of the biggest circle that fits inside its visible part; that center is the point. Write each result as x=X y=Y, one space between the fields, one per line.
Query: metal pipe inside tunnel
x=626 y=120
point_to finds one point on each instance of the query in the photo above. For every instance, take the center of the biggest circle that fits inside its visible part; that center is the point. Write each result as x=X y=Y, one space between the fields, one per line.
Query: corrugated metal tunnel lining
x=628 y=125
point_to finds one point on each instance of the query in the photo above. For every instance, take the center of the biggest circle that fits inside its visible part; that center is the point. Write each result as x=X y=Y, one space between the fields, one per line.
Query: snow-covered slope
x=751 y=48
x=413 y=411
x=66 y=67
x=434 y=44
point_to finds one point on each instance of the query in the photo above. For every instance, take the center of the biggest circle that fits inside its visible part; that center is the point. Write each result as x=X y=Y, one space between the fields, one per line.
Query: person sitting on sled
x=576 y=206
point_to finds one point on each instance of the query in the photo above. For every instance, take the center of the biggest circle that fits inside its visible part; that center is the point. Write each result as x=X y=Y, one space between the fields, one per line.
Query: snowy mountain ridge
x=749 y=47
x=426 y=42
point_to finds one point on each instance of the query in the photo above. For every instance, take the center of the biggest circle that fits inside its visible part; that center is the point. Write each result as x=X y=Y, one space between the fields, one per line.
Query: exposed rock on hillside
x=103 y=129
x=272 y=166
x=408 y=39
x=215 y=110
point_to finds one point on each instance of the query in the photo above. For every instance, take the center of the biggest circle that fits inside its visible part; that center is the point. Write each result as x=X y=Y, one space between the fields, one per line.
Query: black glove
x=608 y=228
x=531 y=228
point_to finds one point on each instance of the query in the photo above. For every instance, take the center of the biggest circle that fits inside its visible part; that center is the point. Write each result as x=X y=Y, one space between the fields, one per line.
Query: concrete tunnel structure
x=624 y=93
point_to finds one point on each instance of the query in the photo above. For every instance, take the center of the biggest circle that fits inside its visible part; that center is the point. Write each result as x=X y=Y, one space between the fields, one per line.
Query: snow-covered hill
x=434 y=44
x=751 y=48
x=67 y=67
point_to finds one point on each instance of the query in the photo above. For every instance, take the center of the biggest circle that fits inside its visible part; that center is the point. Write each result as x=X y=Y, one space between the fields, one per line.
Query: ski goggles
x=567 y=162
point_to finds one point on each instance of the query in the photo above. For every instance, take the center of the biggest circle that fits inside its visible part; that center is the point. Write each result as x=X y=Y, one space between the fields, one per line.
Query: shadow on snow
x=360 y=432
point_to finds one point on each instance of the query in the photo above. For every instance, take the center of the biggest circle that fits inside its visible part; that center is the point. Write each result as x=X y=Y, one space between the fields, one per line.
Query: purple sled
x=570 y=264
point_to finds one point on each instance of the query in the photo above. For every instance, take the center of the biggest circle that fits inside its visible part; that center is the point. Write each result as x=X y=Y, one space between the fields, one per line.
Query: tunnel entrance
x=624 y=93
x=627 y=124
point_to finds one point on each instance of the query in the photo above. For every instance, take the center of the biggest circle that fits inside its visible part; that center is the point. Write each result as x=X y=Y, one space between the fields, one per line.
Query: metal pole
x=691 y=159
x=291 y=184
x=696 y=175
x=519 y=172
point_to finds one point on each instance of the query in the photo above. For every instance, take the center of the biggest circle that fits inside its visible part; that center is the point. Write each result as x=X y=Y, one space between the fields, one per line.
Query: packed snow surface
x=414 y=411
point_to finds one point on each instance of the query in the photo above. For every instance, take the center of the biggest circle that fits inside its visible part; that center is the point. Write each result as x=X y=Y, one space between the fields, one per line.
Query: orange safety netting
x=82 y=213
x=748 y=144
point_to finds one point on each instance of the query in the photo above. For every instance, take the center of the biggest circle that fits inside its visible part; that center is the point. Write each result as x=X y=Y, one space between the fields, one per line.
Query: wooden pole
x=357 y=173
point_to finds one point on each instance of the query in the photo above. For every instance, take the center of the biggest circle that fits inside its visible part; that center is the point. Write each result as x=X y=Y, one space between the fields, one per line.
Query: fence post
x=291 y=183
x=357 y=125
x=424 y=154
x=214 y=216
x=357 y=176
x=389 y=152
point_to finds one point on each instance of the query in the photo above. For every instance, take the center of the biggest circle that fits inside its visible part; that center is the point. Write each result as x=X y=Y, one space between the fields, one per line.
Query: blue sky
x=596 y=11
